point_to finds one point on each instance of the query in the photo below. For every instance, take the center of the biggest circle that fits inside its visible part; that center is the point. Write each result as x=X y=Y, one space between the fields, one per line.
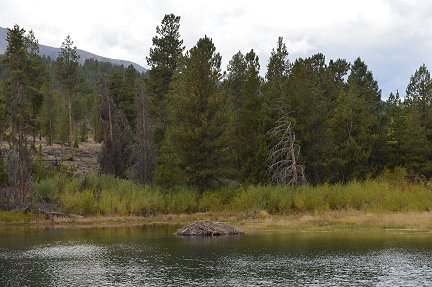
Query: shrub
x=182 y=200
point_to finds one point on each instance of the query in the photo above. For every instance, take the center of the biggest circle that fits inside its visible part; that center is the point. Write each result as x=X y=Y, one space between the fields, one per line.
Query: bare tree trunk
x=110 y=121
x=147 y=170
x=107 y=100
x=21 y=164
x=284 y=153
x=18 y=124
x=142 y=157
x=69 y=99
x=293 y=157
x=50 y=132
x=34 y=138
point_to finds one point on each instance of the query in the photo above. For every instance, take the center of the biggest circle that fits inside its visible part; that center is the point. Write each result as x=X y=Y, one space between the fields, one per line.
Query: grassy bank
x=107 y=196
x=386 y=202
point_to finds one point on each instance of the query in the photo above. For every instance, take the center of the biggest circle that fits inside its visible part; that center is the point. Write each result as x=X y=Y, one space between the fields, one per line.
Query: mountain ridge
x=52 y=52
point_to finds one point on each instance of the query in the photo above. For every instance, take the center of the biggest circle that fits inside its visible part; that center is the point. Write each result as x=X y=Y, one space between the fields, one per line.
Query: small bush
x=82 y=202
x=210 y=201
x=48 y=189
x=250 y=200
x=182 y=200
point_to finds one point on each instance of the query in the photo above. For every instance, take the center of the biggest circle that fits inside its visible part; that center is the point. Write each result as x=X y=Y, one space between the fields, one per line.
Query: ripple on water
x=170 y=262
x=64 y=251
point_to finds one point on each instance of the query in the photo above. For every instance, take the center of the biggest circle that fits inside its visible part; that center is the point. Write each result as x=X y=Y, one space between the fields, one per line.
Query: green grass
x=18 y=217
x=106 y=195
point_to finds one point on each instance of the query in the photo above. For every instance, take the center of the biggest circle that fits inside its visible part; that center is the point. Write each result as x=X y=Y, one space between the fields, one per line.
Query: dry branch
x=284 y=153
x=208 y=228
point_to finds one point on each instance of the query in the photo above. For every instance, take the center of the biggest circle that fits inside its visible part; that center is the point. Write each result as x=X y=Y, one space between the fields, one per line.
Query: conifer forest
x=190 y=129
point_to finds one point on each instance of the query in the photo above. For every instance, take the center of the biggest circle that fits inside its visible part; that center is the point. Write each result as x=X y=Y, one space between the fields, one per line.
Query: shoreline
x=260 y=222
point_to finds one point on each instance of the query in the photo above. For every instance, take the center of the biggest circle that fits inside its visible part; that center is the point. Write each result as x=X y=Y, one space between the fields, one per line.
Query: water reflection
x=153 y=256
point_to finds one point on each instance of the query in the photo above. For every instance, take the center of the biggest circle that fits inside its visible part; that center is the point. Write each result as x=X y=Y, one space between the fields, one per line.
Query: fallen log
x=208 y=228
x=51 y=214
x=23 y=209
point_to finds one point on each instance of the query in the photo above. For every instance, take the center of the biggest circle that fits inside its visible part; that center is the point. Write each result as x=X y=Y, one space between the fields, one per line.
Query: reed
x=106 y=195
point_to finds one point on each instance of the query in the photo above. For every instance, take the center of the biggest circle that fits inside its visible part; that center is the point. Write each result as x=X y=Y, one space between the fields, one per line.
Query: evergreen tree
x=19 y=106
x=163 y=59
x=94 y=71
x=419 y=95
x=50 y=113
x=415 y=146
x=37 y=76
x=274 y=94
x=278 y=71
x=67 y=74
x=351 y=127
x=3 y=126
x=397 y=128
x=236 y=78
x=311 y=105
x=368 y=89
x=129 y=95
x=195 y=149
x=244 y=91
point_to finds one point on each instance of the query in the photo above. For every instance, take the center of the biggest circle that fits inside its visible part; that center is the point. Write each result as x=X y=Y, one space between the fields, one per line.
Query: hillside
x=52 y=52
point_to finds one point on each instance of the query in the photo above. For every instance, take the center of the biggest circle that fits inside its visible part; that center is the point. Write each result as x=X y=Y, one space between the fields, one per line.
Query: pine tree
x=49 y=113
x=129 y=95
x=196 y=149
x=368 y=90
x=419 y=96
x=4 y=123
x=350 y=126
x=37 y=76
x=278 y=70
x=163 y=58
x=397 y=128
x=244 y=92
x=67 y=74
x=415 y=146
x=18 y=104
x=313 y=86
x=274 y=94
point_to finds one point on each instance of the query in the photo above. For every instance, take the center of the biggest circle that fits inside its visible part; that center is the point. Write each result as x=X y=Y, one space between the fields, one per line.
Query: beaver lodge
x=208 y=228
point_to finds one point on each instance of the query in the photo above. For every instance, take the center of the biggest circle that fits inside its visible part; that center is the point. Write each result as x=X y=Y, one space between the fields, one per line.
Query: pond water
x=153 y=256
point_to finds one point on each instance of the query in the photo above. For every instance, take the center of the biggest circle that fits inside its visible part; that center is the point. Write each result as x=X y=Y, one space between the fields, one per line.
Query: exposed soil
x=79 y=161
x=410 y=222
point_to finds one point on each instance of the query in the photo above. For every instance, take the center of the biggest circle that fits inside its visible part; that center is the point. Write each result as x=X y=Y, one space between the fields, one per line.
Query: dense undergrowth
x=106 y=195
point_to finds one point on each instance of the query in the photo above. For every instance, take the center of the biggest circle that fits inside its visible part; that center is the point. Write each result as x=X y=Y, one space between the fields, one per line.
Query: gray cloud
x=392 y=36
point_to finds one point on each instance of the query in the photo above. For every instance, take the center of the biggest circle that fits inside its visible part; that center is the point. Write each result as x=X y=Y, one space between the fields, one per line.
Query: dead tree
x=107 y=113
x=117 y=136
x=19 y=158
x=142 y=152
x=20 y=180
x=284 y=154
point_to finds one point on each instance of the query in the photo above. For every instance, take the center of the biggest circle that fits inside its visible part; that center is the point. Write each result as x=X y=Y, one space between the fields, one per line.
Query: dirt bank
x=262 y=222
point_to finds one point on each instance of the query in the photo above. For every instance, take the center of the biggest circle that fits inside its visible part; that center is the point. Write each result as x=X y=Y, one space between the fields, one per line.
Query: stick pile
x=208 y=228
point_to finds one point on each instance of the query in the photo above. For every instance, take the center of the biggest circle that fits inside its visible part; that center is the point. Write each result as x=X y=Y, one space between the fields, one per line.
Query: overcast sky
x=393 y=37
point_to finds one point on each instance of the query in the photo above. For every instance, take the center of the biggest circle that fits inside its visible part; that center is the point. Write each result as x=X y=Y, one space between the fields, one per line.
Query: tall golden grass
x=105 y=195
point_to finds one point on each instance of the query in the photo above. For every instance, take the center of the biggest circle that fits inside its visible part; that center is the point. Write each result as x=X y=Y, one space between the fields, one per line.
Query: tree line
x=187 y=122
